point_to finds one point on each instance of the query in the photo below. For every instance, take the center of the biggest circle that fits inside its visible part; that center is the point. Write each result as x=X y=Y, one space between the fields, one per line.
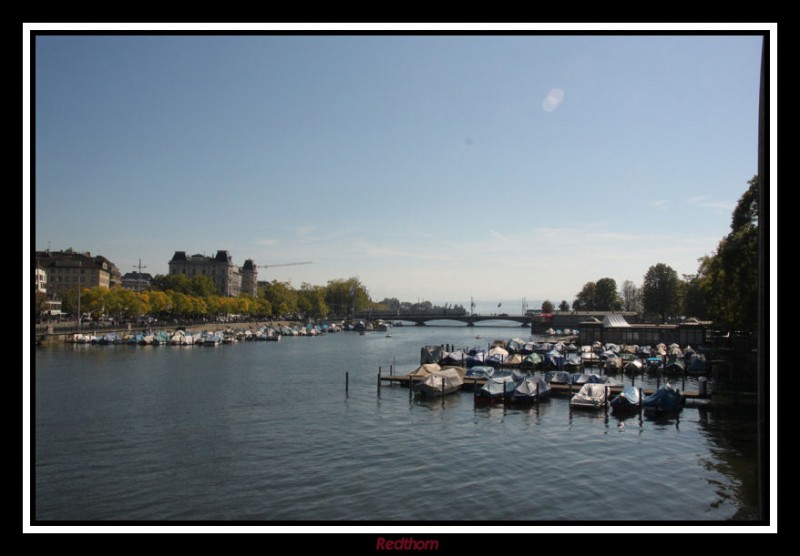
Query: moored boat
x=590 y=396
x=530 y=390
x=675 y=366
x=440 y=383
x=666 y=399
x=480 y=371
x=496 y=389
x=558 y=377
x=629 y=400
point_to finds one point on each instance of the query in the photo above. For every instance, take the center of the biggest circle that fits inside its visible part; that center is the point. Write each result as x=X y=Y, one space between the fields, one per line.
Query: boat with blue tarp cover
x=666 y=399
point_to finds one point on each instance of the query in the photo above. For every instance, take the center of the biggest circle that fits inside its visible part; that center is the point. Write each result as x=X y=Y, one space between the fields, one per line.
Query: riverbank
x=60 y=335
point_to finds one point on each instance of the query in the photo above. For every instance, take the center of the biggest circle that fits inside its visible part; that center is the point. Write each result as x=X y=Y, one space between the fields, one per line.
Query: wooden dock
x=471 y=384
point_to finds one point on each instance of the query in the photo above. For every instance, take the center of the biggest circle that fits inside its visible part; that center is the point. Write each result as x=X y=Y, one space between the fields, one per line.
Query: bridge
x=421 y=318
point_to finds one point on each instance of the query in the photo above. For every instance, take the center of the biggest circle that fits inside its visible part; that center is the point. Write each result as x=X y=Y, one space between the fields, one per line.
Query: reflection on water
x=267 y=431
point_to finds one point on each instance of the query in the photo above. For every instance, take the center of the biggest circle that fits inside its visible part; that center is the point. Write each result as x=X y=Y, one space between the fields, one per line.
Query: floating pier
x=471 y=384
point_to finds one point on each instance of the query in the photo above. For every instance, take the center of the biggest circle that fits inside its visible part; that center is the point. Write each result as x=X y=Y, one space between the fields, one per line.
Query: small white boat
x=591 y=396
x=440 y=383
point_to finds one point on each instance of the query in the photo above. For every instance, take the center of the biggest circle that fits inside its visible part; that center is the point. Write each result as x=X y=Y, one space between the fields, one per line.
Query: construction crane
x=284 y=264
x=139 y=286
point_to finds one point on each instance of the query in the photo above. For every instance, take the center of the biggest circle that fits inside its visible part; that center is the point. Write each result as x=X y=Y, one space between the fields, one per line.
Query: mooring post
x=347 y=383
x=641 y=402
x=379 y=382
x=410 y=386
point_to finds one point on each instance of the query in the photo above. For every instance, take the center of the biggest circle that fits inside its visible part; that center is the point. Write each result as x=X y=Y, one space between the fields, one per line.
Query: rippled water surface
x=265 y=431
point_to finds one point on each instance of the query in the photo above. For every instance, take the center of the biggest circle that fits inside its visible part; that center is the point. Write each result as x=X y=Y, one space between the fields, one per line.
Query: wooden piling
x=379 y=382
x=346 y=383
x=641 y=403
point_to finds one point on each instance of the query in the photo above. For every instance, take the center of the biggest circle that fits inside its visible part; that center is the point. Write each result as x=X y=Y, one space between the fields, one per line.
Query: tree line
x=724 y=289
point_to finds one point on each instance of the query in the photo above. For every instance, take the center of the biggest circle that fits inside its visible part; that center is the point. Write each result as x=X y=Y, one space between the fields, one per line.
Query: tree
x=660 y=291
x=281 y=296
x=631 y=297
x=121 y=302
x=201 y=286
x=93 y=300
x=547 y=306
x=729 y=278
x=392 y=303
x=311 y=300
x=346 y=296
x=563 y=306
x=585 y=299
x=39 y=302
x=606 y=297
x=160 y=303
x=180 y=303
x=171 y=282
x=693 y=298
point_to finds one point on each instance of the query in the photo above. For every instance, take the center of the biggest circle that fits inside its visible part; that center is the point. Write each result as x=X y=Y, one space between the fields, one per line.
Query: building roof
x=615 y=321
x=137 y=276
x=60 y=259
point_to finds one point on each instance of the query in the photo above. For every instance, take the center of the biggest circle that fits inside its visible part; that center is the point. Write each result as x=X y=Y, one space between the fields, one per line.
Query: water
x=264 y=431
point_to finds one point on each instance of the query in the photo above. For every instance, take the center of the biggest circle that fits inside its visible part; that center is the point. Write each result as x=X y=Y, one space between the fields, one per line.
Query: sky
x=493 y=167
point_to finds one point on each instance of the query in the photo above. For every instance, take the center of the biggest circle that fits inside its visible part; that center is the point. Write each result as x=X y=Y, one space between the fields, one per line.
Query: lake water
x=265 y=432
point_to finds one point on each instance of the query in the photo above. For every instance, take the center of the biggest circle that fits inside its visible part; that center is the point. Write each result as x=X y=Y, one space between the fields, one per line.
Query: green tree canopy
x=281 y=296
x=171 y=282
x=728 y=279
x=606 y=297
x=660 y=291
x=585 y=299
x=347 y=296
x=547 y=306
x=311 y=300
x=563 y=306
x=201 y=286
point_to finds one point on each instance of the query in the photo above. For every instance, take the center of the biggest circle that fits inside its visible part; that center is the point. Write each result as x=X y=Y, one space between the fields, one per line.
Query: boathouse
x=614 y=329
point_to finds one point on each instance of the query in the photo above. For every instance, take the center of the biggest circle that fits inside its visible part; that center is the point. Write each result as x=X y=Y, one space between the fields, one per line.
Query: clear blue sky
x=432 y=167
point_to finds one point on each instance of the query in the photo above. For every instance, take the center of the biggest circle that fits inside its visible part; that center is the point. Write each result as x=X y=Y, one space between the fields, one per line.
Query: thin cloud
x=704 y=201
x=498 y=235
x=553 y=99
x=663 y=205
x=267 y=242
